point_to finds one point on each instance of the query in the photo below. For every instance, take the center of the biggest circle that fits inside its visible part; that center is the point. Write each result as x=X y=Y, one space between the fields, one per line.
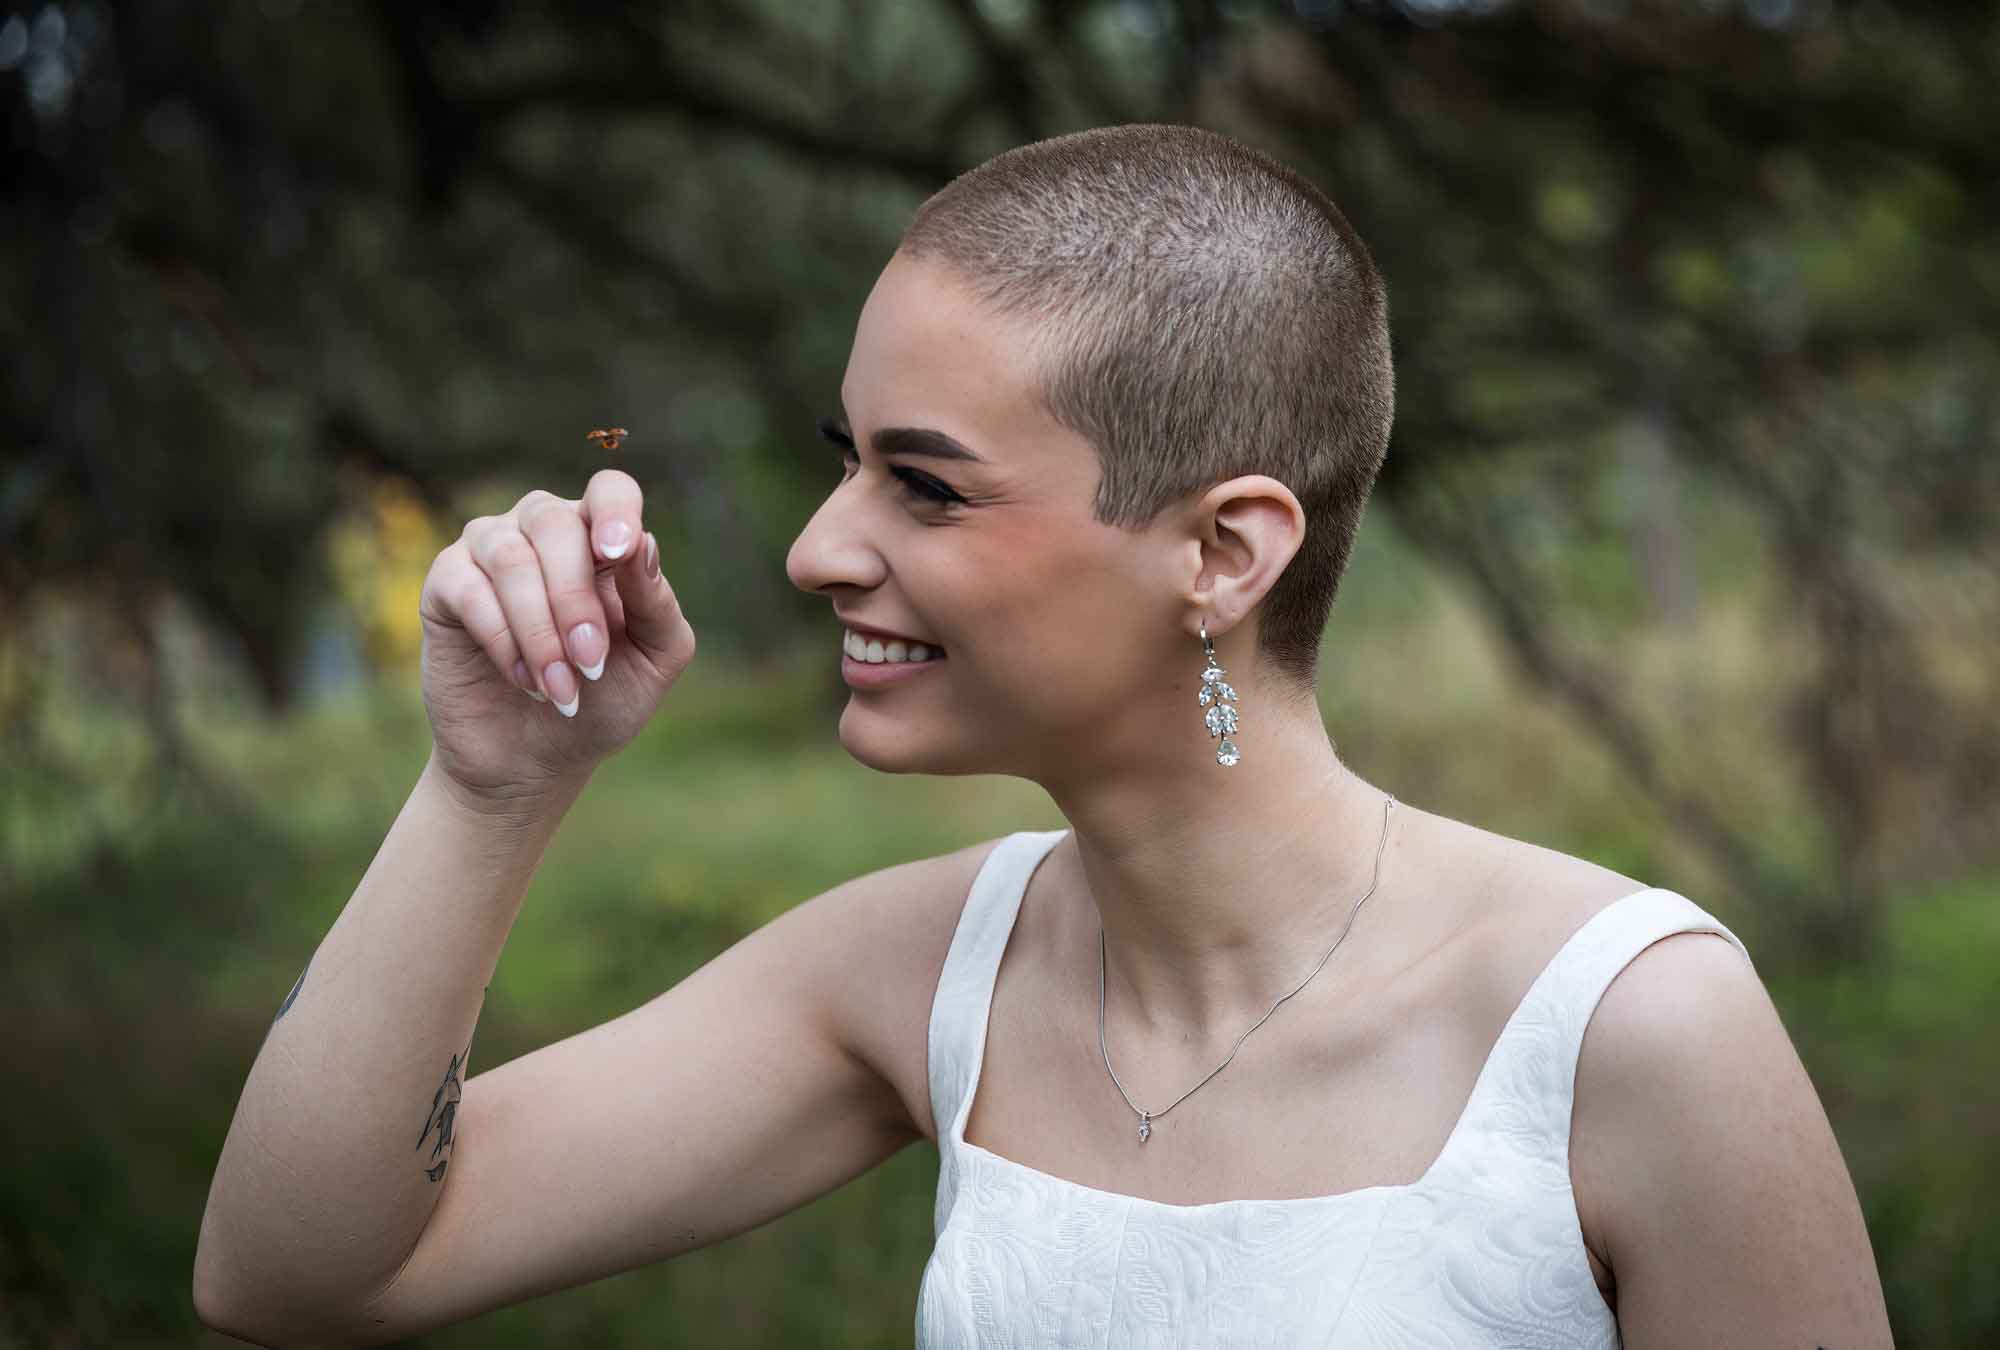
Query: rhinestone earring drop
x=1216 y=696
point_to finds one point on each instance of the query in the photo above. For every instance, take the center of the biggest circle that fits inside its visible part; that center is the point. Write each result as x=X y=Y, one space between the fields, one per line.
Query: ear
x=1248 y=529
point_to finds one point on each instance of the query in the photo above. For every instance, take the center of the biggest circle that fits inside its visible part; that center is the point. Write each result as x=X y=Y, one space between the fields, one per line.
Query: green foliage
x=1905 y=1059
x=1694 y=311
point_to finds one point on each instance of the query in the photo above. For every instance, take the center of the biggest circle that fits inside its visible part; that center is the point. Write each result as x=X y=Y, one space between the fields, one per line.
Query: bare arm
x=754 y=1086
x=344 y=1134
x=762 y=1081
x=1730 y=1215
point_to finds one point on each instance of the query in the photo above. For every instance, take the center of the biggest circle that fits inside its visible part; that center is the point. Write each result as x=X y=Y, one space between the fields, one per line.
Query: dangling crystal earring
x=1216 y=696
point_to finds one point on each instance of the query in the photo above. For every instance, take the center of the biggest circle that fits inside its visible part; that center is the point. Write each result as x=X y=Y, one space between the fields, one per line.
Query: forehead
x=927 y=353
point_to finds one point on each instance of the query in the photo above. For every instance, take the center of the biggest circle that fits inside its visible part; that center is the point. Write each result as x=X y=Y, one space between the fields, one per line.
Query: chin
x=888 y=745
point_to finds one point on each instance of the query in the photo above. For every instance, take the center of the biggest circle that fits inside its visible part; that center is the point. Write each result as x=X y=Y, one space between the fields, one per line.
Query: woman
x=1250 y=1054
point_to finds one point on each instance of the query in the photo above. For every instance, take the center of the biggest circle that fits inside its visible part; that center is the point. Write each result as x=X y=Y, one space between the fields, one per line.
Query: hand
x=505 y=649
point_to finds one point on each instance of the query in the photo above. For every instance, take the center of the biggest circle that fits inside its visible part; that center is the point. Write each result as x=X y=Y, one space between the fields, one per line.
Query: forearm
x=341 y=1142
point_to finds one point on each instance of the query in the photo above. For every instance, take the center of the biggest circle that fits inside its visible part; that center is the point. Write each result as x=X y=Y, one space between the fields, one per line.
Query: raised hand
x=550 y=636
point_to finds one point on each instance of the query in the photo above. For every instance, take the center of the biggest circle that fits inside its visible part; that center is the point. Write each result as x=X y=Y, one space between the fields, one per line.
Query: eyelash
x=924 y=488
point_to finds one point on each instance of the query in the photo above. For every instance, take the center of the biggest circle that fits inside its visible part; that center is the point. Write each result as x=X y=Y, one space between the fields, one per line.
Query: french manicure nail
x=527 y=682
x=614 y=537
x=587 y=648
x=558 y=679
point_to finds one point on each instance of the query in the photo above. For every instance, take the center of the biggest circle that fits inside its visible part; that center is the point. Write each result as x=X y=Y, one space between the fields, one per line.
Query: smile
x=876 y=651
x=868 y=664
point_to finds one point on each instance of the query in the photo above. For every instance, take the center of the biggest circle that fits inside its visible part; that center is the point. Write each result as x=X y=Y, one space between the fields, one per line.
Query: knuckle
x=576 y=604
x=448 y=576
x=538 y=648
x=512 y=549
x=551 y=513
x=455 y=590
x=541 y=500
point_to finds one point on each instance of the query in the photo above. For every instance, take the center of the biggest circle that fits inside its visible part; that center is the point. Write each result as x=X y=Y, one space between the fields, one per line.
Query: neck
x=1218 y=889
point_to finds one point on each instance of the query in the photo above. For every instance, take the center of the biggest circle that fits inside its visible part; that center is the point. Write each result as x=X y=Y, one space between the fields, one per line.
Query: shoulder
x=886 y=942
x=1495 y=868
x=1677 y=1027
x=1493 y=910
x=1512 y=903
x=1711 y=1179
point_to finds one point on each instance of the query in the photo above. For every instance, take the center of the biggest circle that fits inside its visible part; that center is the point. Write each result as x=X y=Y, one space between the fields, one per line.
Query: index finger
x=611 y=507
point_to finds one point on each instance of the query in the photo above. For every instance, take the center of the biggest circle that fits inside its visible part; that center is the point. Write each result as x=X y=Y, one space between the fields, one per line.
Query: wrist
x=513 y=806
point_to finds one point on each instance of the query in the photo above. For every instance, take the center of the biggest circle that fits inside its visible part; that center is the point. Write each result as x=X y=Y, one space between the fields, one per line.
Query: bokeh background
x=1683 y=559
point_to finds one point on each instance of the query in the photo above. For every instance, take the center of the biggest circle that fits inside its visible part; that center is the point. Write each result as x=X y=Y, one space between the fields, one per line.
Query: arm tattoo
x=297 y=985
x=444 y=1111
x=292 y=997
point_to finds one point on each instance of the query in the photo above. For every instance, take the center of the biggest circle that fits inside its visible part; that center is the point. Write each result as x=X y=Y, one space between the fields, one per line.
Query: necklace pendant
x=1145 y=1125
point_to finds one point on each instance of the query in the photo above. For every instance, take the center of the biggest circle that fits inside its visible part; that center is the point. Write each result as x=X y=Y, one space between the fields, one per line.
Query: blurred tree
x=1685 y=296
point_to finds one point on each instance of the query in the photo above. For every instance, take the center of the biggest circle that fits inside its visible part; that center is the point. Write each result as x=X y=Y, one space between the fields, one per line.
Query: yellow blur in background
x=379 y=554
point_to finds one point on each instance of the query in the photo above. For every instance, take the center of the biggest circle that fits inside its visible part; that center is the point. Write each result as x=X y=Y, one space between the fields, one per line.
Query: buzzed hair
x=1208 y=313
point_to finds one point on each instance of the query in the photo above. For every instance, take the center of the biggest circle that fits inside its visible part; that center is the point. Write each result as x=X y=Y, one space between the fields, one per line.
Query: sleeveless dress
x=1485 y=1249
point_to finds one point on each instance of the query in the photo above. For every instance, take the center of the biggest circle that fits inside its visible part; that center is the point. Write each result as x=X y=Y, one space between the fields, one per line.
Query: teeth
x=876 y=651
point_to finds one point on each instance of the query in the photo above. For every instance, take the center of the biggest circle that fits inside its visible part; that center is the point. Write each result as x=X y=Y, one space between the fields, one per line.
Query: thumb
x=653 y=618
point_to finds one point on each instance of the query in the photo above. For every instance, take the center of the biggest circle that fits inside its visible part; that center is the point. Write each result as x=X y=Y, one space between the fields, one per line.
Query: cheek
x=1048 y=621
x=1022 y=585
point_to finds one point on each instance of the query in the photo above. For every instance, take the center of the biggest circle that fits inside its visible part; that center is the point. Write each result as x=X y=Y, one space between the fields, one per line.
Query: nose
x=831 y=551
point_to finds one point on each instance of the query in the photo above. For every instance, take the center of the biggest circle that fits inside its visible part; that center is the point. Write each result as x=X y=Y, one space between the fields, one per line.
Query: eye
x=917 y=485
x=928 y=488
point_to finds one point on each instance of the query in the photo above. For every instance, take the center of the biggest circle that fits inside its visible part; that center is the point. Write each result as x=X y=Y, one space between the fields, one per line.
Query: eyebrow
x=904 y=441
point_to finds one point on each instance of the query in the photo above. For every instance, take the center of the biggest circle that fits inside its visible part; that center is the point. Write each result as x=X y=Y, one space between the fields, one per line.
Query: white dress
x=1483 y=1250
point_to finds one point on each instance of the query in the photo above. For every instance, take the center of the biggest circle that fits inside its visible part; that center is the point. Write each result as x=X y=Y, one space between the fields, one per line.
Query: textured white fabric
x=1483 y=1250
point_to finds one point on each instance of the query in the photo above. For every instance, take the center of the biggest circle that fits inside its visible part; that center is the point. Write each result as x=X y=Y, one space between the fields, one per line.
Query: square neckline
x=963 y=1115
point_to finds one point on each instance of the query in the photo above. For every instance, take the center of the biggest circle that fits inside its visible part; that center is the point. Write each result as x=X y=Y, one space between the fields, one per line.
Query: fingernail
x=527 y=682
x=614 y=537
x=559 y=681
x=587 y=648
x=652 y=555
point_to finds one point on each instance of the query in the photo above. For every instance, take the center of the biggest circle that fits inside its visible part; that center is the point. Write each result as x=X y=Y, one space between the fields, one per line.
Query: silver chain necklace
x=1146 y=1118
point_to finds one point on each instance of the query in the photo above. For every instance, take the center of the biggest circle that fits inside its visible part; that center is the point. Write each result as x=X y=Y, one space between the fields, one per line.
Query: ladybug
x=608 y=437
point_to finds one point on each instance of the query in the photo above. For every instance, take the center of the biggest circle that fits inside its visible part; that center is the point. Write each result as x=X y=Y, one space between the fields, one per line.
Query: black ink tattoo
x=297 y=985
x=444 y=1112
x=290 y=998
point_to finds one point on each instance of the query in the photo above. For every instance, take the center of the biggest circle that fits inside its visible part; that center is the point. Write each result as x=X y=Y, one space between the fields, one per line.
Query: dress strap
x=1521 y=1105
x=965 y=987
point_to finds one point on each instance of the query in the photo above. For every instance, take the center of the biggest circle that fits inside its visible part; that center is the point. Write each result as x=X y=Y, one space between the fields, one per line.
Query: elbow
x=218 y=1311
x=217 y=1315
x=237 y=1298
x=207 y=1288
x=267 y=1318
x=214 y=1302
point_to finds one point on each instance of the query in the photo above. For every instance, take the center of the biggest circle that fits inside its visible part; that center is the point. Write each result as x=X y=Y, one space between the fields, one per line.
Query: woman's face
x=1049 y=621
